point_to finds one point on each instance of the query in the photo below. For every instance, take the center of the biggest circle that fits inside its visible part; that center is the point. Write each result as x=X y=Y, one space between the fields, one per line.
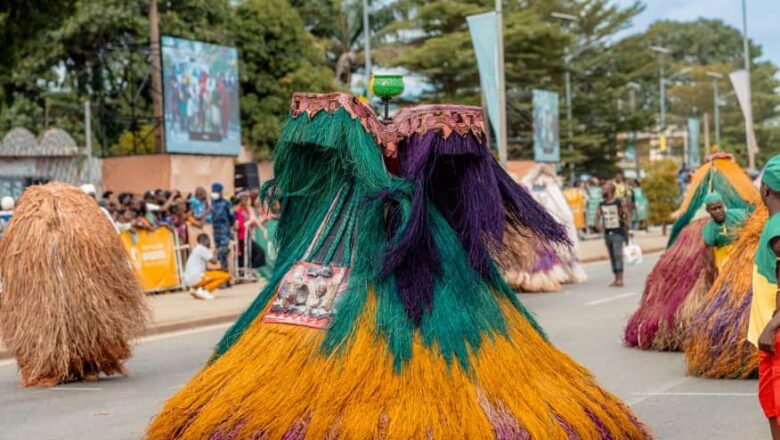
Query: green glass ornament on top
x=386 y=87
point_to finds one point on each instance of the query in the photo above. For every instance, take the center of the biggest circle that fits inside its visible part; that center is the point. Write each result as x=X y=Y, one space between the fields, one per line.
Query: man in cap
x=223 y=219
x=764 y=319
x=719 y=231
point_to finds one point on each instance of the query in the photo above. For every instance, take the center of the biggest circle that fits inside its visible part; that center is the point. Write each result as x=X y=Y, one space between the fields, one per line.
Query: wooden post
x=157 y=89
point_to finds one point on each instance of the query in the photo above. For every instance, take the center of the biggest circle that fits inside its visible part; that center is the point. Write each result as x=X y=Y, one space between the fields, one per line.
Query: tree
x=337 y=25
x=706 y=45
x=100 y=51
x=535 y=45
x=277 y=57
x=663 y=193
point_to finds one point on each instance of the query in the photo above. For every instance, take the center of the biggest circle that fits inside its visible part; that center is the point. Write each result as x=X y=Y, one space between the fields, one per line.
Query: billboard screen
x=200 y=88
x=547 y=145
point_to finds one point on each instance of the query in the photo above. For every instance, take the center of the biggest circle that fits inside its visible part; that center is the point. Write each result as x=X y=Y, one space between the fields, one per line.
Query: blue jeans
x=615 y=242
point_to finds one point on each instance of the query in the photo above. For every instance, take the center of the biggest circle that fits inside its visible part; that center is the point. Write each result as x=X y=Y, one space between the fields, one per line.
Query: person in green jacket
x=719 y=231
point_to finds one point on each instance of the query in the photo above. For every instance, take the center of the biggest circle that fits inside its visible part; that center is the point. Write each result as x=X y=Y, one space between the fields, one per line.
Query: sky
x=762 y=18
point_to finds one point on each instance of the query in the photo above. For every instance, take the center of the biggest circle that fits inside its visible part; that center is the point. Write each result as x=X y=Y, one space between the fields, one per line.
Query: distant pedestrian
x=200 y=205
x=196 y=274
x=6 y=212
x=612 y=218
x=223 y=219
x=764 y=319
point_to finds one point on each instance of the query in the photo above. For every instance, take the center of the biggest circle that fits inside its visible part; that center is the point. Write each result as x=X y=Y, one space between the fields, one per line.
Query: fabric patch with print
x=308 y=295
x=611 y=216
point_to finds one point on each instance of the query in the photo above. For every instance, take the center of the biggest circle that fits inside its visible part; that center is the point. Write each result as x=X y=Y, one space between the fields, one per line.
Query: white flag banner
x=740 y=80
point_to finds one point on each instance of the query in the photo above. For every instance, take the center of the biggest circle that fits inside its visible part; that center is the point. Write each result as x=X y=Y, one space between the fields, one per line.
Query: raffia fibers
x=685 y=268
x=70 y=301
x=530 y=265
x=716 y=345
x=519 y=387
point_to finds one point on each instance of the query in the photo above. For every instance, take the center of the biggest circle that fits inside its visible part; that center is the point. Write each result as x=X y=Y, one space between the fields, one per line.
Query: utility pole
x=367 y=49
x=715 y=77
x=707 y=145
x=568 y=18
x=157 y=93
x=632 y=88
x=662 y=94
x=748 y=125
x=502 y=147
x=88 y=139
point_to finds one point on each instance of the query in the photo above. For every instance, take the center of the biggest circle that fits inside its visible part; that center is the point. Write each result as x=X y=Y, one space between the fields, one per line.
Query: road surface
x=586 y=321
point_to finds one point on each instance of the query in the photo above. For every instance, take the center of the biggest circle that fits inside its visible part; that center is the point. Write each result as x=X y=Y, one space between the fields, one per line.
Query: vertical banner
x=484 y=38
x=152 y=257
x=740 y=81
x=694 y=146
x=547 y=141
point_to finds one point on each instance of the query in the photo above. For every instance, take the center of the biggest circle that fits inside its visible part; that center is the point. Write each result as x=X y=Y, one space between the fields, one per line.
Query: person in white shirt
x=92 y=192
x=200 y=280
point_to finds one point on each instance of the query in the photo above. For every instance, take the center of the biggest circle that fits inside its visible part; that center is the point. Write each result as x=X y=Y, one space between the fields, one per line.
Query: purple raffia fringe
x=476 y=197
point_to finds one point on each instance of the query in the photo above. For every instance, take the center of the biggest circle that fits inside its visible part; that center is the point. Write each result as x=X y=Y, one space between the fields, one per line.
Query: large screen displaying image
x=201 y=97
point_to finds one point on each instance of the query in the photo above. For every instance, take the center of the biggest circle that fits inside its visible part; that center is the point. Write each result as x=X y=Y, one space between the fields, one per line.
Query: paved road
x=586 y=321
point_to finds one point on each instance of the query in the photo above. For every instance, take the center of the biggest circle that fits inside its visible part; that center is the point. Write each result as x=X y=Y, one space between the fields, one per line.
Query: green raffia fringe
x=331 y=157
x=720 y=183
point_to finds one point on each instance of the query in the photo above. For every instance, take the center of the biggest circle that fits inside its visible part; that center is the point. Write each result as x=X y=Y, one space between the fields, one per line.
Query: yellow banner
x=153 y=258
x=577 y=205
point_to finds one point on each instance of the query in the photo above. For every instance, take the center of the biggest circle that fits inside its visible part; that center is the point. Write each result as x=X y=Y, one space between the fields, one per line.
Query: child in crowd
x=200 y=280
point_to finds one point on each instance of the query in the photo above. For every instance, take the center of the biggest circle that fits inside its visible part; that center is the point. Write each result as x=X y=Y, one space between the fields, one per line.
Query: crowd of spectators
x=230 y=216
x=232 y=219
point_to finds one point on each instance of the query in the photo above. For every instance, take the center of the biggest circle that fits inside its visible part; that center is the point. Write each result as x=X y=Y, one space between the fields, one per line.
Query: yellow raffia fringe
x=275 y=377
x=732 y=172
x=734 y=359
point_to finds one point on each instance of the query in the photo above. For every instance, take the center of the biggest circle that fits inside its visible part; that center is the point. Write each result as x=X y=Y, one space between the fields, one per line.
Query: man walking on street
x=223 y=218
x=764 y=319
x=612 y=219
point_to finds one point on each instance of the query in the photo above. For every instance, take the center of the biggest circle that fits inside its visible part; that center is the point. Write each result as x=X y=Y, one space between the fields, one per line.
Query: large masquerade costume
x=716 y=344
x=721 y=173
x=70 y=302
x=685 y=272
x=543 y=267
x=386 y=316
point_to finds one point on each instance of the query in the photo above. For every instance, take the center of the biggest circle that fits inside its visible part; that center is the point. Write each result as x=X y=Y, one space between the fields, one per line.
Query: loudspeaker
x=246 y=176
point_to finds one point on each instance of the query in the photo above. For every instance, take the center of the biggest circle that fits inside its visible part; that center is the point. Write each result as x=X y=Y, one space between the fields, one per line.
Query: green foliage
x=138 y=142
x=83 y=49
x=663 y=193
x=704 y=45
x=535 y=48
x=57 y=54
x=276 y=58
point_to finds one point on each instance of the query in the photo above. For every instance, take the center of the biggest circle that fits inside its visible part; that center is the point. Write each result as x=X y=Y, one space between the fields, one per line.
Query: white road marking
x=699 y=394
x=662 y=389
x=178 y=333
x=75 y=389
x=208 y=328
x=611 y=298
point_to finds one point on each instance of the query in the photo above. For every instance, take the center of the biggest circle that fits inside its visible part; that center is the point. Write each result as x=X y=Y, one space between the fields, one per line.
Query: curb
x=598 y=258
x=175 y=326
x=169 y=327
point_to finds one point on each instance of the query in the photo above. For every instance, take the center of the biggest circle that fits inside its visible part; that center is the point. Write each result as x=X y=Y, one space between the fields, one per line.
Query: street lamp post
x=367 y=39
x=632 y=88
x=662 y=86
x=502 y=129
x=568 y=18
x=746 y=50
x=715 y=77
